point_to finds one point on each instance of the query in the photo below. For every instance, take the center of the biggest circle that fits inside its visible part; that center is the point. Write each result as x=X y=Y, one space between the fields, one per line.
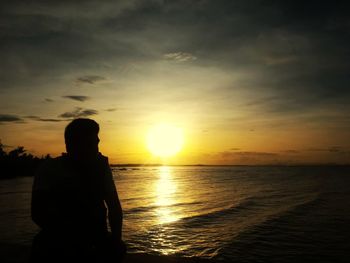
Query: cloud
x=90 y=79
x=6 y=118
x=248 y=157
x=262 y=101
x=50 y=120
x=291 y=151
x=111 y=109
x=179 y=56
x=277 y=50
x=248 y=154
x=37 y=118
x=235 y=149
x=332 y=149
x=32 y=117
x=78 y=112
x=48 y=100
x=76 y=97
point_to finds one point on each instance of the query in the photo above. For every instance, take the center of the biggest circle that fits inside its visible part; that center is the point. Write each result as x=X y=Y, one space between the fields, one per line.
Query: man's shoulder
x=103 y=157
x=103 y=160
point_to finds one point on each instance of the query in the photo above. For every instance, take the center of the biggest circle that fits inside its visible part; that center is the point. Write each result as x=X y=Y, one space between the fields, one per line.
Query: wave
x=300 y=230
x=246 y=205
x=149 y=208
x=251 y=211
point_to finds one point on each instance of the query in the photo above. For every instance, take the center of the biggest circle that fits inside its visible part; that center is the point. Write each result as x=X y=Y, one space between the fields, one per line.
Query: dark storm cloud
x=296 y=51
x=76 y=97
x=91 y=79
x=78 y=112
x=6 y=118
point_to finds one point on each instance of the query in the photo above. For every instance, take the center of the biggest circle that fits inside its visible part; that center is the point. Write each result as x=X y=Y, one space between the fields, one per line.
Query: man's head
x=81 y=137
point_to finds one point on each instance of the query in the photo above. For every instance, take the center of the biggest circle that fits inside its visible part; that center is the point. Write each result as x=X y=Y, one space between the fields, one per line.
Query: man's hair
x=79 y=128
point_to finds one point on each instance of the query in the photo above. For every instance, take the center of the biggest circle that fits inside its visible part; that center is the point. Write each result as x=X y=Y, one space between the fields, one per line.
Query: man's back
x=69 y=196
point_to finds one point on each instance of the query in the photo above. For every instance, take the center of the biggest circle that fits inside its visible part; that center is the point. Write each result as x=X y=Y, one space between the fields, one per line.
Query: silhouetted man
x=70 y=199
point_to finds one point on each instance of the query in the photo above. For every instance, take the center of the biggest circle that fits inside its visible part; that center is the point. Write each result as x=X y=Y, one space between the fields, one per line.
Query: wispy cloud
x=248 y=157
x=32 y=117
x=6 y=118
x=76 y=97
x=48 y=100
x=179 y=56
x=50 y=120
x=111 y=109
x=332 y=149
x=37 y=118
x=279 y=60
x=248 y=154
x=291 y=151
x=78 y=112
x=90 y=79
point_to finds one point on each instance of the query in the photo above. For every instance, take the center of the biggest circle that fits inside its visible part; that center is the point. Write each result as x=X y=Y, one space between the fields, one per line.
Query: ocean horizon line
x=231 y=165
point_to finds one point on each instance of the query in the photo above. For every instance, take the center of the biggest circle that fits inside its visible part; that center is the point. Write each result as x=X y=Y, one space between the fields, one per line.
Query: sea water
x=227 y=213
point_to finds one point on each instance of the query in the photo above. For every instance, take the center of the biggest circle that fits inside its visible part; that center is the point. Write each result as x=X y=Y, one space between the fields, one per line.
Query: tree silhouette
x=18 y=162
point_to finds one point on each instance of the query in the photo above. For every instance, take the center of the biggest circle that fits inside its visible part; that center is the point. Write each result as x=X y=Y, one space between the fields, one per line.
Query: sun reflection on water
x=165 y=191
x=166 y=211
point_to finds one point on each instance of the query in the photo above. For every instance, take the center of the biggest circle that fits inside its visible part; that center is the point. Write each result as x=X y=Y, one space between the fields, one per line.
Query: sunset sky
x=248 y=82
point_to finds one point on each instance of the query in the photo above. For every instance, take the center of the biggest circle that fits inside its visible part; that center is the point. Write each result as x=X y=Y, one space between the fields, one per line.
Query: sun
x=165 y=140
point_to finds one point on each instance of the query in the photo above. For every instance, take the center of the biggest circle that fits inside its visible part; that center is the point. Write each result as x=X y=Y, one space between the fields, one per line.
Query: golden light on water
x=165 y=190
x=165 y=140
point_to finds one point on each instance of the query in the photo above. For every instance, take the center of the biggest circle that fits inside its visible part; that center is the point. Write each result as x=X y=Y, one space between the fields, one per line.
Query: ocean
x=226 y=213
